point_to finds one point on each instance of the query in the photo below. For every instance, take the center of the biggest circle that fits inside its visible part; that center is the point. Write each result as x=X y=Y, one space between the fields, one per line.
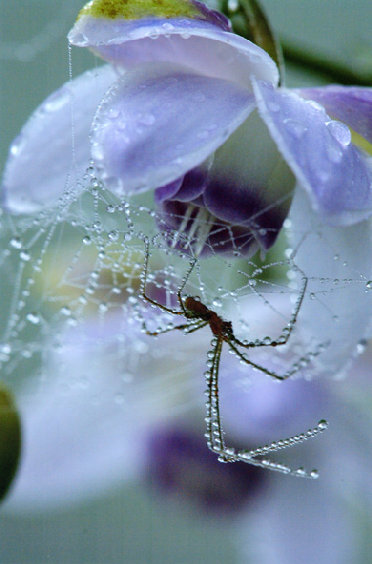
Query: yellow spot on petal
x=361 y=142
x=137 y=9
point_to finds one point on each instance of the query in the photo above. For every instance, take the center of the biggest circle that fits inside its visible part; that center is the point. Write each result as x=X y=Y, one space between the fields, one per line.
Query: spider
x=198 y=315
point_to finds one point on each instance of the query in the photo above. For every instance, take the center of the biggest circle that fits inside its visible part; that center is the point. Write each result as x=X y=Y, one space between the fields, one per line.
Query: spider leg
x=184 y=281
x=295 y=367
x=214 y=433
x=249 y=455
x=215 y=439
x=282 y=339
x=189 y=327
x=144 y=284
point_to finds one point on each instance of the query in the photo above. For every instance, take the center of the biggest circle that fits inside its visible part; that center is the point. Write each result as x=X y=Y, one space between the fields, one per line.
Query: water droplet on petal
x=340 y=132
x=297 y=128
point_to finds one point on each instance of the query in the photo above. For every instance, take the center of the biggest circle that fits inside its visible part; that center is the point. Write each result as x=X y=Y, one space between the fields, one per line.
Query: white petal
x=52 y=150
x=85 y=429
x=338 y=306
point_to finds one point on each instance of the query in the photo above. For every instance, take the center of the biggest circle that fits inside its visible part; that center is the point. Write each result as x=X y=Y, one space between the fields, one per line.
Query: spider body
x=195 y=309
x=198 y=315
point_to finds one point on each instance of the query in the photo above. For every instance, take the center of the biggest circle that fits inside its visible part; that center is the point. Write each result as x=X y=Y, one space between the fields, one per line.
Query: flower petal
x=140 y=137
x=338 y=306
x=79 y=441
x=350 y=104
x=336 y=174
x=53 y=150
x=250 y=184
x=85 y=428
x=201 y=42
x=300 y=522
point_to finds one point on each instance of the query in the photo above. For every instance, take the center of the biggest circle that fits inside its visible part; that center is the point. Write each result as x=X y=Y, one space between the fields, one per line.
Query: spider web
x=78 y=266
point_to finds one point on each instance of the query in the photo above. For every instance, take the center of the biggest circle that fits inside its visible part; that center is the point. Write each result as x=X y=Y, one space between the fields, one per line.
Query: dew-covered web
x=79 y=265
x=71 y=281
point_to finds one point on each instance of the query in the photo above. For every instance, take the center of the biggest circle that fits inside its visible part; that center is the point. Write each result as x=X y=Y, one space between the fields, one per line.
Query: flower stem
x=331 y=70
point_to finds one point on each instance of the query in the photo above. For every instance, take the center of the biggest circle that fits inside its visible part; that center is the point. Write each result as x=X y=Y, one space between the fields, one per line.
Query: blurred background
x=131 y=524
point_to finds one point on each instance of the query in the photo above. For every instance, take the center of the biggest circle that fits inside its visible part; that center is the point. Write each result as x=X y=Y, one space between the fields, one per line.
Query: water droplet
x=113 y=113
x=16 y=147
x=119 y=399
x=5 y=348
x=334 y=152
x=340 y=132
x=103 y=307
x=167 y=27
x=322 y=424
x=110 y=208
x=113 y=235
x=369 y=285
x=87 y=240
x=25 y=256
x=296 y=127
x=16 y=243
x=203 y=134
x=33 y=318
x=314 y=474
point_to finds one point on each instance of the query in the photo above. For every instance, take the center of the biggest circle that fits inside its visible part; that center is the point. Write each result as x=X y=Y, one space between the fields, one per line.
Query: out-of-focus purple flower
x=122 y=406
x=191 y=111
x=180 y=466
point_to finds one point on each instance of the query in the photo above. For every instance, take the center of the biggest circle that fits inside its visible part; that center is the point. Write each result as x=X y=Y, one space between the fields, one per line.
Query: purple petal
x=175 y=454
x=191 y=226
x=335 y=174
x=166 y=192
x=249 y=183
x=158 y=122
x=196 y=44
x=350 y=104
x=185 y=189
x=47 y=158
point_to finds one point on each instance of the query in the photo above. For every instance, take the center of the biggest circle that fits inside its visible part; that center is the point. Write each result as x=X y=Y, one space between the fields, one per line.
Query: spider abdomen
x=197 y=308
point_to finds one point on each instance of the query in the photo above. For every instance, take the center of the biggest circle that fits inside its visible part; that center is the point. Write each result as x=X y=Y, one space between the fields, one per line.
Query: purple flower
x=191 y=111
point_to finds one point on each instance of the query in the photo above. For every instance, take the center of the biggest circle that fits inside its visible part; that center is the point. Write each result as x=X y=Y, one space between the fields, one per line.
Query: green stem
x=331 y=70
